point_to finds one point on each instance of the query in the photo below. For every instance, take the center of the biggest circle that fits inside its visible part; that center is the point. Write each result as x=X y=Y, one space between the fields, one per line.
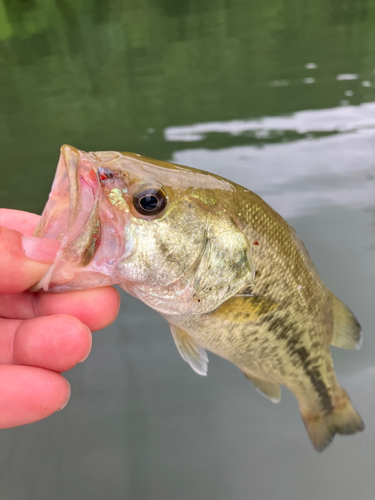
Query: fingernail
x=40 y=249
x=89 y=350
x=67 y=398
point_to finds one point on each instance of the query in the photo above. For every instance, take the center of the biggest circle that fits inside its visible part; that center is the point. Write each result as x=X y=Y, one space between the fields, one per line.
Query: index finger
x=20 y=271
x=17 y=272
x=24 y=222
x=96 y=308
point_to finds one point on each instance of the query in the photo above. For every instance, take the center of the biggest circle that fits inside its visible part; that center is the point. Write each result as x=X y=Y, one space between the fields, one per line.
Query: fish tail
x=343 y=419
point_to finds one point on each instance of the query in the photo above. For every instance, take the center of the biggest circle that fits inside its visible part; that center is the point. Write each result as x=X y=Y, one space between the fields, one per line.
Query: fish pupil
x=149 y=202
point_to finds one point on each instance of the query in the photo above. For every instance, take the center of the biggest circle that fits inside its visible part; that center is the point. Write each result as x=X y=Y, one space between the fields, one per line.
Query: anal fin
x=190 y=351
x=270 y=390
x=346 y=329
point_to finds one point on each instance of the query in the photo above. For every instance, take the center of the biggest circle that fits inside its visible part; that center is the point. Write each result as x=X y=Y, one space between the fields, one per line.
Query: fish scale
x=294 y=270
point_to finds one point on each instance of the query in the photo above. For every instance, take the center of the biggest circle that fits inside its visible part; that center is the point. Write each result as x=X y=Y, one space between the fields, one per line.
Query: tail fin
x=322 y=428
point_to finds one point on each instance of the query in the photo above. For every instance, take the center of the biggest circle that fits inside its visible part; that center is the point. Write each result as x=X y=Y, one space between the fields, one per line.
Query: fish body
x=227 y=272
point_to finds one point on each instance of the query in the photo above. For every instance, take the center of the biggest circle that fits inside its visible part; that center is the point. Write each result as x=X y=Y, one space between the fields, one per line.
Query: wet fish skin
x=286 y=339
x=223 y=268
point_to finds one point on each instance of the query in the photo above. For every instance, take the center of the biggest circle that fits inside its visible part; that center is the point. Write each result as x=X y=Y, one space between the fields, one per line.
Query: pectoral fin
x=346 y=329
x=271 y=390
x=245 y=308
x=190 y=351
x=226 y=265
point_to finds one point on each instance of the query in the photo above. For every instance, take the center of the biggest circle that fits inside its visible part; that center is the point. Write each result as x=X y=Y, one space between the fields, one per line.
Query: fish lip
x=61 y=208
x=74 y=197
x=70 y=159
x=75 y=172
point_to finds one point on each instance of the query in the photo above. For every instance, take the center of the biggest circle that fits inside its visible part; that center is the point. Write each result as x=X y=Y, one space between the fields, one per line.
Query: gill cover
x=218 y=265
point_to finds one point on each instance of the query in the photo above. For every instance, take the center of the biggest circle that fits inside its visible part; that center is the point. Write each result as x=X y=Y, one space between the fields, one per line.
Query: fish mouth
x=73 y=216
x=64 y=204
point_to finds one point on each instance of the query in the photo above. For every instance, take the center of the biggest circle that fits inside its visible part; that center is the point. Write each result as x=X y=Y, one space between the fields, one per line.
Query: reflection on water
x=296 y=174
x=277 y=96
x=323 y=120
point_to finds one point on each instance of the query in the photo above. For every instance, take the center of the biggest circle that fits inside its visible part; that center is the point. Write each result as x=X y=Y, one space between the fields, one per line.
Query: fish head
x=153 y=227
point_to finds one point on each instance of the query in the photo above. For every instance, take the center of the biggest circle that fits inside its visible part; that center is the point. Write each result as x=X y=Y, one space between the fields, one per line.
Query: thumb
x=23 y=260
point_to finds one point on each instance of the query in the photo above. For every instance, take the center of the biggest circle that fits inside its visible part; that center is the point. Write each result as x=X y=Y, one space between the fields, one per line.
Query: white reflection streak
x=347 y=76
x=295 y=177
x=341 y=119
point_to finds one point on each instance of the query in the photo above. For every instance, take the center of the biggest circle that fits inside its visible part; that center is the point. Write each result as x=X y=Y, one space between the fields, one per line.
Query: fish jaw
x=89 y=228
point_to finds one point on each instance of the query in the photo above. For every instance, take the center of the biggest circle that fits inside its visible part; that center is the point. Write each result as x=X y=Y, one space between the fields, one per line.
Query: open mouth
x=74 y=216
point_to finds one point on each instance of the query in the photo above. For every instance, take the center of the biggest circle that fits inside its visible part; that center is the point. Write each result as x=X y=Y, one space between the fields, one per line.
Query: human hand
x=41 y=334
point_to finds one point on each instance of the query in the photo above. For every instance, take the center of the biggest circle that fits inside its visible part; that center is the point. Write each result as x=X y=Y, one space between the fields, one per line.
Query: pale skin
x=41 y=335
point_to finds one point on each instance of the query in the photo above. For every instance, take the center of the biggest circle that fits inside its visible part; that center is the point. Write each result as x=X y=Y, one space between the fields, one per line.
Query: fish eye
x=149 y=201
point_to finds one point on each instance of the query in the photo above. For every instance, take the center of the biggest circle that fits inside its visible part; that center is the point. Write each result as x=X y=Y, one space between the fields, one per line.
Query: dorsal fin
x=190 y=351
x=346 y=329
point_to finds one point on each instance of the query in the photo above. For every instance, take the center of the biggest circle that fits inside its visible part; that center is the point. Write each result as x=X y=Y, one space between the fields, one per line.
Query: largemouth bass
x=226 y=271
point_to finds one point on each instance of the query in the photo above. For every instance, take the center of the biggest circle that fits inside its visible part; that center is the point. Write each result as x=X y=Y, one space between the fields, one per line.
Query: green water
x=100 y=75
x=276 y=95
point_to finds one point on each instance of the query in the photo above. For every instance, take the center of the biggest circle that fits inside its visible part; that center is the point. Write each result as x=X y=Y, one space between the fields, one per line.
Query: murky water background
x=278 y=96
